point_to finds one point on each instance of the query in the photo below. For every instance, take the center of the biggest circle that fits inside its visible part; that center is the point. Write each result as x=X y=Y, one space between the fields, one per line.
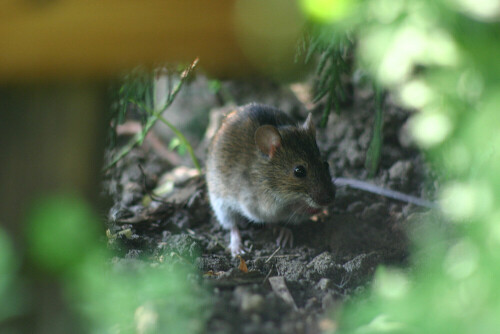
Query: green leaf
x=60 y=230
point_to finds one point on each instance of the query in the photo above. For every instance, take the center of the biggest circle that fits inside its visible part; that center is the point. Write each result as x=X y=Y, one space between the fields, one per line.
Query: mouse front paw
x=285 y=236
x=235 y=246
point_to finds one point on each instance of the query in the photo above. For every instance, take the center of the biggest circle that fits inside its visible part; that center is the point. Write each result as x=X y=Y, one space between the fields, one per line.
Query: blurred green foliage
x=334 y=49
x=134 y=297
x=138 y=300
x=440 y=57
x=10 y=289
x=60 y=231
x=214 y=86
x=176 y=144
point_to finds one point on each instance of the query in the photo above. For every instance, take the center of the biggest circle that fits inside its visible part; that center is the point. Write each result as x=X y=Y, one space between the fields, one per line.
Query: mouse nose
x=325 y=195
x=323 y=189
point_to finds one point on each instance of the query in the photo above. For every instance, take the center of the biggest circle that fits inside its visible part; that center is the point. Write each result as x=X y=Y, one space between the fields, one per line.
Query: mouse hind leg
x=228 y=218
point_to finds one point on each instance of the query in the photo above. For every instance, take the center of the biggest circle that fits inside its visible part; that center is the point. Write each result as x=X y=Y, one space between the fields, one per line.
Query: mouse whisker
x=295 y=213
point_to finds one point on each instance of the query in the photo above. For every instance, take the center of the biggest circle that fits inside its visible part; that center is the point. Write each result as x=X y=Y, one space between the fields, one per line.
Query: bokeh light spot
x=470 y=85
x=461 y=260
x=382 y=324
x=458 y=158
x=440 y=49
x=486 y=10
x=391 y=283
x=326 y=10
x=415 y=94
x=386 y=11
x=430 y=128
x=463 y=201
x=409 y=42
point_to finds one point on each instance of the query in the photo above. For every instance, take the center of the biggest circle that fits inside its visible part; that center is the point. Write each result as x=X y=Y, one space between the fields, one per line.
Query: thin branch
x=139 y=138
x=183 y=140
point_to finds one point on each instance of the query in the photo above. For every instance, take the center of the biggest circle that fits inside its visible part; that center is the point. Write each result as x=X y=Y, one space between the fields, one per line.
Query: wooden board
x=43 y=39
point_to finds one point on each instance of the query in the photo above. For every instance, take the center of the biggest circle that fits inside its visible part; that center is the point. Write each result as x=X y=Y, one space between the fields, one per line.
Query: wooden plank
x=95 y=38
x=52 y=143
x=68 y=39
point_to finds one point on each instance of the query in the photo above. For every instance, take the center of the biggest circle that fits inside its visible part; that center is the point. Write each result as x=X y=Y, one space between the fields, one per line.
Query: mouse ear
x=267 y=139
x=309 y=125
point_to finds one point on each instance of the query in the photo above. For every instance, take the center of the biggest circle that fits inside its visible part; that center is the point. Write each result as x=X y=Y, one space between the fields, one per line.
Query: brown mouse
x=264 y=167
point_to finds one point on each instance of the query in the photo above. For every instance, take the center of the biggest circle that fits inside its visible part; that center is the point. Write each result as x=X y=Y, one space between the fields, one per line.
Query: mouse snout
x=324 y=195
x=323 y=192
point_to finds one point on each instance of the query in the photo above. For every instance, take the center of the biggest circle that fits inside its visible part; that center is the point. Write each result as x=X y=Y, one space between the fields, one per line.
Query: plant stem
x=155 y=115
x=183 y=140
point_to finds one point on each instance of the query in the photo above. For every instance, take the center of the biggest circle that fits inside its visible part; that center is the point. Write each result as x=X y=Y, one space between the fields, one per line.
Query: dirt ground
x=334 y=254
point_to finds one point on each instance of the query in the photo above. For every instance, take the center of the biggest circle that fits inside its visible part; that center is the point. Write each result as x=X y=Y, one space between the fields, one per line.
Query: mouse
x=264 y=167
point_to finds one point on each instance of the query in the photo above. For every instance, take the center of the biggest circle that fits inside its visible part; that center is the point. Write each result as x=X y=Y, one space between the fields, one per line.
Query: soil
x=335 y=253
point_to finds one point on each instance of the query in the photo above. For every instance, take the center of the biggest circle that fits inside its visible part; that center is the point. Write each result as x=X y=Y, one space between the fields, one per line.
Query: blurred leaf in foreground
x=126 y=296
x=61 y=232
x=440 y=58
x=10 y=296
x=133 y=297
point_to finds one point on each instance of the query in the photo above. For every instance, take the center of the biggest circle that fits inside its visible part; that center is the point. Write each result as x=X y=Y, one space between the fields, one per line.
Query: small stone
x=183 y=245
x=251 y=303
x=311 y=303
x=256 y=319
x=405 y=137
x=327 y=301
x=324 y=284
x=248 y=301
x=292 y=270
x=355 y=264
x=365 y=139
x=351 y=150
x=361 y=267
x=401 y=171
x=356 y=207
x=374 y=212
x=323 y=265
x=133 y=254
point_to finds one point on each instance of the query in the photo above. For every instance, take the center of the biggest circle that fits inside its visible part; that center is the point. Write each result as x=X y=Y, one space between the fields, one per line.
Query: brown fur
x=234 y=158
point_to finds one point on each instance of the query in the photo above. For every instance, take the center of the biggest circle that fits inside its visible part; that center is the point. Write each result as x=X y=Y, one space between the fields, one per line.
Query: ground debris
x=279 y=287
x=274 y=289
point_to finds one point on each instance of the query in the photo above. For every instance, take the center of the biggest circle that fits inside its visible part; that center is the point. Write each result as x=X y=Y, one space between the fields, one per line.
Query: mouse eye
x=299 y=171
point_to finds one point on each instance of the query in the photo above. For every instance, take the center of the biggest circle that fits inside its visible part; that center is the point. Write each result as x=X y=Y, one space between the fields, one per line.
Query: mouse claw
x=285 y=237
x=235 y=251
x=236 y=248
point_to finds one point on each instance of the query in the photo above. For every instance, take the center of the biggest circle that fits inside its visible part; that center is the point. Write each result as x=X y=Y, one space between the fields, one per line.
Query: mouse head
x=292 y=166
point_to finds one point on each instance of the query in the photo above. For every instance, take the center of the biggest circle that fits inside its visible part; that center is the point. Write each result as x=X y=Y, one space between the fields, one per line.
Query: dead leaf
x=209 y=273
x=243 y=265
